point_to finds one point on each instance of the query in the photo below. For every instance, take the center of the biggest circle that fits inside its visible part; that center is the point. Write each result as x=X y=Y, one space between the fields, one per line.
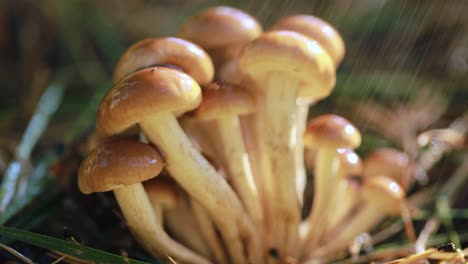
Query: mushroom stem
x=208 y=232
x=238 y=166
x=194 y=173
x=135 y=206
x=181 y=226
x=280 y=141
x=302 y=111
x=326 y=168
x=365 y=219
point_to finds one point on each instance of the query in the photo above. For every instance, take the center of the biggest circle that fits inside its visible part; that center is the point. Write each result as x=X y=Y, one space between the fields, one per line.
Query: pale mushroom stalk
x=280 y=141
x=345 y=191
x=163 y=197
x=194 y=173
x=367 y=217
x=208 y=232
x=382 y=197
x=326 y=168
x=135 y=206
x=181 y=226
x=302 y=111
x=238 y=166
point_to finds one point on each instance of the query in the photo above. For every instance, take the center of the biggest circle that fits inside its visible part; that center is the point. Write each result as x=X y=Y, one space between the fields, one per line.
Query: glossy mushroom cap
x=162 y=192
x=227 y=100
x=144 y=93
x=331 y=131
x=386 y=161
x=445 y=137
x=317 y=29
x=350 y=162
x=117 y=164
x=385 y=193
x=220 y=26
x=171 y=51
x=292 y=53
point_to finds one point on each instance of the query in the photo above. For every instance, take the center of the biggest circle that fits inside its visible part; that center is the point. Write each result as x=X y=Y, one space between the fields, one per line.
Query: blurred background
x=405 y=72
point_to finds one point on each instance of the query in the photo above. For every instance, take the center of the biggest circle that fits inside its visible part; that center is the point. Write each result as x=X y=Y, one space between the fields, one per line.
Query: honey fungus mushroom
x=280 y=62
x=172 y=52
x=222 y=31
x=153 y=98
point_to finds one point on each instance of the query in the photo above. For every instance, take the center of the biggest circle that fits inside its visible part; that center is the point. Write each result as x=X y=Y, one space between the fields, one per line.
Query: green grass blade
x=65 y=247
x=46 y=107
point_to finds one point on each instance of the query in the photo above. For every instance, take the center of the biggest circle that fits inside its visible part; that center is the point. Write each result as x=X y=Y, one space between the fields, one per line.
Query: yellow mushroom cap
x=385 y=193
x=227 y=100
x=171 y=51
x=220 y=26
x=317 y=29
x=387 y=161
x=117 y=164
x=144 y=93
x=290 y=53
x=331 y=131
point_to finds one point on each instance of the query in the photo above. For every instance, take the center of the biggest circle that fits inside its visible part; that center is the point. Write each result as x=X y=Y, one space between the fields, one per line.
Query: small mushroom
x=345 y=196
x=330 y=40
x=170 y=52
x=327 y=134
x=280 y=62
x=121 y=166
x=222 y=31
x=163 y=196
x=153 y=98
x=390 y=162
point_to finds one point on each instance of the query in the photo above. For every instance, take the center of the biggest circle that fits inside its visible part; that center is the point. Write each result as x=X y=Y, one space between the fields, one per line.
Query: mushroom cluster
x=220 y=112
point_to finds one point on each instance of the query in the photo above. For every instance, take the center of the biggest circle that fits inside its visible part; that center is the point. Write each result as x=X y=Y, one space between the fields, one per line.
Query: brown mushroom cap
x=386 y=161
x=220 y=26
x=227 y=100
x=162 y=191
x=292 y=53
x=331 y=131
x=117 y=164
x=385 y=193
x=350 y=162
x=144 y=93
x=317 y=29
x=172 y=51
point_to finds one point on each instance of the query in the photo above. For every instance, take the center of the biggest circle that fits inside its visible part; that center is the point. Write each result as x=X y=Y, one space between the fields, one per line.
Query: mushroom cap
x=317 y=29
x=118 y=164
x=444 y=137
x=384 y=193
x=162 y=192
x=293 y=54
x=144 y=93
x=171 y=51
x=227 y=100
x=350 y=162
x=331 y=131
x=219 y=27
x=387 y=161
